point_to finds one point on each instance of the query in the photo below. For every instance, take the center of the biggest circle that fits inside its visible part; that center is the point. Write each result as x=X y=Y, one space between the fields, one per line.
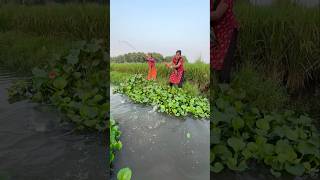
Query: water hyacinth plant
x=115 y=143
x=167 y=99
x=75 y=84
x=242 y=134
x=124 y=174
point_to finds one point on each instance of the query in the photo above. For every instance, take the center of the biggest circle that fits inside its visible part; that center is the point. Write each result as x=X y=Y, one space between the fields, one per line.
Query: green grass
x=72 y=21
x=21 y=51
x=198 y=74
x=282 y=40
x=259 y=90
x=38 y=34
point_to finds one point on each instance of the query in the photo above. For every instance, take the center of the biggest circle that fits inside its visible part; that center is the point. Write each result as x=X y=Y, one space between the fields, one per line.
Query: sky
x=162 y=26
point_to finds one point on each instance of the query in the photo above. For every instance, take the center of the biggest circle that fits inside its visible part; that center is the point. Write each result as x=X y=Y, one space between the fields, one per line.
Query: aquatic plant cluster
x=115 y=143
x=75 y=84
x=167 y=99
x=242 y=135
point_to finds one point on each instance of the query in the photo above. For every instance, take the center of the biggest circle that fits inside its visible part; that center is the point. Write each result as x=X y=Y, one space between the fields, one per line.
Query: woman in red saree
x=152 y=74
x=177 y=75
x=225 y=29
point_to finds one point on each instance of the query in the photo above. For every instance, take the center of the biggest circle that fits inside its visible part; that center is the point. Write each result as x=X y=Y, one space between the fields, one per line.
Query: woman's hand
x=168 y=65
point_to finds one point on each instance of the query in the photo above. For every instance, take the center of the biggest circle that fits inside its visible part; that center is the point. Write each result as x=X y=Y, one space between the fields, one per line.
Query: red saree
x=176 y=75
x=223 y=30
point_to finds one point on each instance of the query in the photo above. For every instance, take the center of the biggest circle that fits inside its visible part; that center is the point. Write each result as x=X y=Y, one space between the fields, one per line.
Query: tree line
x=139 y=57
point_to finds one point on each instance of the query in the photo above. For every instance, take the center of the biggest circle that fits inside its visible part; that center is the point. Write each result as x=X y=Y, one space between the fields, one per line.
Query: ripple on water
x=155 y=145
x=35 y=145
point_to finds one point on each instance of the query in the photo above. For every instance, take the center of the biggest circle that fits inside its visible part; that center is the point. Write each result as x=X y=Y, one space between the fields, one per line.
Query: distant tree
x=139 y=57
x=135 y=57
x=157 y=56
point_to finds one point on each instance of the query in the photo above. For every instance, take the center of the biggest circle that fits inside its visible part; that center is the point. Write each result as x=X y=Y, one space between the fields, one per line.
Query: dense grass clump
x=38 y=34
x=282 y=40
x=72 y=21
x=21 y=51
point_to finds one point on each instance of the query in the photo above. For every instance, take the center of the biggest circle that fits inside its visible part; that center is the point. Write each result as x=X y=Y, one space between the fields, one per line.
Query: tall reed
x=72 y=21
x=282 y=40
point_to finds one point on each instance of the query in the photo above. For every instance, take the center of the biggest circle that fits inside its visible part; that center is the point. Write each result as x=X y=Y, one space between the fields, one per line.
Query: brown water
x=34 y=145
x=156 y=146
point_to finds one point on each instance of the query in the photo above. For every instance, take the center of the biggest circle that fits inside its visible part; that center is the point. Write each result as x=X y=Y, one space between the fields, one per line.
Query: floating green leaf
x=124 y=174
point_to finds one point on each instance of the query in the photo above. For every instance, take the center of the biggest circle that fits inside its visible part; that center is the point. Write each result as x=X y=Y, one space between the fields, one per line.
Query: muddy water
x=35 y=145
x=157 y=146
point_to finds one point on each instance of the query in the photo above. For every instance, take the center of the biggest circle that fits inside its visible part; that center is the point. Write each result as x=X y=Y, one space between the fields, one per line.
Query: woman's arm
x=176 y=66
x=221 y=9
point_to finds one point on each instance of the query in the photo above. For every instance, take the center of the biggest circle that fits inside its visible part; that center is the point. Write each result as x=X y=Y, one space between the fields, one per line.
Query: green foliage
x=78 y=87
x=167 y=99
x=118 y=77
x=22 y=52
x=139 y=57
x=115 y=143
x=195 y=74
x=135 y=57
x=18 y=91
x=262 y=92
x=72 y=21
x=283 y=40
x=124 y=174
x=241 y=133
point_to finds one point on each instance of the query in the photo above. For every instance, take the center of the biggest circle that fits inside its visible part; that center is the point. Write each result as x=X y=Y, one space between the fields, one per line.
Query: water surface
x=34 y=145
x=156 y=146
